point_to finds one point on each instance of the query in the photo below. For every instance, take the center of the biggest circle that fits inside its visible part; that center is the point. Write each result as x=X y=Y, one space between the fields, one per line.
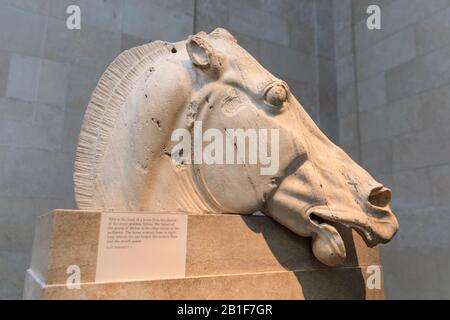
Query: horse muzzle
x=310 y=203
x=374 y=221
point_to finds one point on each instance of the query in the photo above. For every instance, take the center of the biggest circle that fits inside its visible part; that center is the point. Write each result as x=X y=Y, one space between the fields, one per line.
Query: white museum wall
x=394 y=113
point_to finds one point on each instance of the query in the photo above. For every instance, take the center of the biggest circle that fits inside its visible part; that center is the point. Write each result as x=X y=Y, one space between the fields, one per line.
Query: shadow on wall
x=317 y=281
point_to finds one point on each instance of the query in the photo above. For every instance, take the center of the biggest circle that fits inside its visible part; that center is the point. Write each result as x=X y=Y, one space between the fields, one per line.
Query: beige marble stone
x=166 y=129
x=254 y=258
x=340 y=284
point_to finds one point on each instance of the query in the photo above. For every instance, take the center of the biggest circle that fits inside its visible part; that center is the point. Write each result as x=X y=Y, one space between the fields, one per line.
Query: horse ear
x=224 y=34
x=199 y=50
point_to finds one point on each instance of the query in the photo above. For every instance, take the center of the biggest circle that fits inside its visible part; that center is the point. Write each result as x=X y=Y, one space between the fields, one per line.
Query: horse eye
x=276 y=95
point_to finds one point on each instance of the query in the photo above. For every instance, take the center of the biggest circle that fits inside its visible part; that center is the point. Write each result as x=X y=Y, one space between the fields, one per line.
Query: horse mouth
x=327 y=243
x=377 y=225
x=372 y=239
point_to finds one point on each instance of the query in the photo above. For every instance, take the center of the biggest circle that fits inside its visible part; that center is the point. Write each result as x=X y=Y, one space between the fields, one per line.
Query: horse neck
x=137 y=172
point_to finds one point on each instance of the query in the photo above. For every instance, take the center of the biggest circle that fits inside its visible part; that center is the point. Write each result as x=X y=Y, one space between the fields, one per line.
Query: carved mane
x=107 y=100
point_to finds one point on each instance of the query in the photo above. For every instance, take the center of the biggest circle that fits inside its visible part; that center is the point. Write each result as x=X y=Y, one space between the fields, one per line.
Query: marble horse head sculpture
x=131 y=155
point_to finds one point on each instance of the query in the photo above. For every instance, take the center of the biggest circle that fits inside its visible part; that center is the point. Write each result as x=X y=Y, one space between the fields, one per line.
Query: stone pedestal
x=227 y=257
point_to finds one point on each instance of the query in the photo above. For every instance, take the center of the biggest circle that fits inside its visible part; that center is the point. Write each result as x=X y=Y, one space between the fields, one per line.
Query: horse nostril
x=380 y=197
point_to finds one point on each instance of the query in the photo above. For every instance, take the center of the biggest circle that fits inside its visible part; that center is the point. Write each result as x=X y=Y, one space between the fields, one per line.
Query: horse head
x=201 y=126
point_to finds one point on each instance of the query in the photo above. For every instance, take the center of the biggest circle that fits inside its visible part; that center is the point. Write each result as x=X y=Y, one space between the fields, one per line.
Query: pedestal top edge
x=78 y=211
